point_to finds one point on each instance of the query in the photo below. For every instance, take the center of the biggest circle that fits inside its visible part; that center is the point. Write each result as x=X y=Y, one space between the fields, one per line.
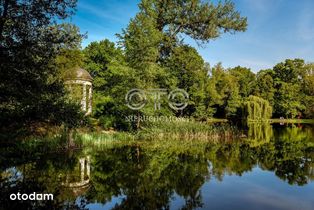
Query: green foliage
x=70 y=55
x=140 y=40
x=97 y=58
x=288 y=82
x=110 y=101
x=223 y=92
x=257 y=109
x=188 y=67
x=112 y=80
x=289 y=71
x=30 y=41
x=288 y=101
x=308 y=90
x=265 y=85
x=246 y=80
x=154 y=31
x=154 y=49
x=200 y=20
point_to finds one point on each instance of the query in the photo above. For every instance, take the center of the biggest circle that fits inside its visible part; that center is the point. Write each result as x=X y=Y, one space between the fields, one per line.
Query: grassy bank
x=188 y=130
x=310 y=121
x=213 y=130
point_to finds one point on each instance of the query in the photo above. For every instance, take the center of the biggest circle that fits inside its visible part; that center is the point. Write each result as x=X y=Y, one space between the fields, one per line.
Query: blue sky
x=277 y=30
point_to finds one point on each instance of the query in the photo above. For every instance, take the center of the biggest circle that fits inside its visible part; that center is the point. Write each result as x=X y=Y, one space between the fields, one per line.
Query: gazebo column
x=88 y=166
x=83 y=102
x=82 y=168
x=90 y=100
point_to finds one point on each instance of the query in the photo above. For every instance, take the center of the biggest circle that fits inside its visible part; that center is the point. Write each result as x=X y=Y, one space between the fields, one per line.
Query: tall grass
x=104 y=139
x=188 y=130
x=164 y=131
x=160 y=130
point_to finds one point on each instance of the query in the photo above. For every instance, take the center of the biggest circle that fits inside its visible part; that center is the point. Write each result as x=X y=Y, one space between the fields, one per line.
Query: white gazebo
x=81 y=79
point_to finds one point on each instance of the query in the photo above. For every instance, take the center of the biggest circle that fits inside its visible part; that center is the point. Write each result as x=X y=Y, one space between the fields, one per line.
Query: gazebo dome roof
x=78 y=73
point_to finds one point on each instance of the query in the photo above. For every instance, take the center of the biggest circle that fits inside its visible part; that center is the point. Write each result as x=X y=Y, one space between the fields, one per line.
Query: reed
x=188 y=130
x=104 y=138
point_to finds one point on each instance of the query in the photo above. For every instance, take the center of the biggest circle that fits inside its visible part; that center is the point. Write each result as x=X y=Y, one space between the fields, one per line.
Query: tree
x=289 y=71
x=246 y=80
x=155 y=30
x=30 y=41
x=287 y=100
x=70 y=55
x=112 y=79
x=287 y=81
x=140 y=41
x=188 y=68
x=265 y=85
x=257 y=108
x=98 y=56
x=223 y=92
x=308 y=90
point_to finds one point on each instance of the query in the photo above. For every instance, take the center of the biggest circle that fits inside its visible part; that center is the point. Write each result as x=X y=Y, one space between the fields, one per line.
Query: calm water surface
x=270 y=167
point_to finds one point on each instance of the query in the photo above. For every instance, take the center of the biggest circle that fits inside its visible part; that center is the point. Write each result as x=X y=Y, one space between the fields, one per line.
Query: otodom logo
x=31 y=196
x=136 y=99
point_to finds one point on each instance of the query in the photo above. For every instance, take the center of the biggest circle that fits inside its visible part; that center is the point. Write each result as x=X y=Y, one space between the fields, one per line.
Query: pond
x=271 y=167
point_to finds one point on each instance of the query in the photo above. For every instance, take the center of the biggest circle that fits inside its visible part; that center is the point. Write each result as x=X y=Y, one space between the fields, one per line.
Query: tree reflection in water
x=147 y=175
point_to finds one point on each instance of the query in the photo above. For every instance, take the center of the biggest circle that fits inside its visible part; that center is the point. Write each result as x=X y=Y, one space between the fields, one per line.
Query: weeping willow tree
x=257 y=109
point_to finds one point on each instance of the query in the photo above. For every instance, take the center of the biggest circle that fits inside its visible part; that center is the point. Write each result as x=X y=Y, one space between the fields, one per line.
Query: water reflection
x=84 y=174
x=259 y=133
x=157 y=175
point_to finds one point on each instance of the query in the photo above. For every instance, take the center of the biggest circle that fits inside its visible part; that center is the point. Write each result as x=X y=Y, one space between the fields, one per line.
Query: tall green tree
x=141 y=40
x=246 y=79
x=98 y=56
x=70 y=55
x=289 y=71
x=287 y=100
x=223 y=92
x=265 y=85
x=155 y=30
x=113 y=78
x=188 y=67
x=308 y=90
x=288 y=81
